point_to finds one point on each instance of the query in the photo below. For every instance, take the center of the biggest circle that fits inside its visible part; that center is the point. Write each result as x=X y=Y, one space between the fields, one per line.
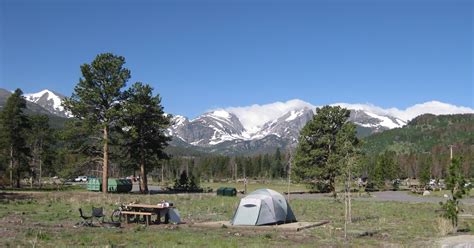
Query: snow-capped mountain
x=279 y=124
x=287 y=126
x=374 y=121
x=208 y=129
x=220 y=126
x=50 y=101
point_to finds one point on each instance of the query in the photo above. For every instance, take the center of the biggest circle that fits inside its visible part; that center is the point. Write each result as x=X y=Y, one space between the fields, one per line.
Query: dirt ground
x=459 y=241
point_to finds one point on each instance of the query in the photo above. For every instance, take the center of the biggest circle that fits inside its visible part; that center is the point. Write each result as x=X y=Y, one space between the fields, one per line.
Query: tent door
x=247 y=212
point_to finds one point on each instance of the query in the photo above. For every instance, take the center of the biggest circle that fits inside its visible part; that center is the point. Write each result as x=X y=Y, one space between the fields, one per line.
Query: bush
x=186 y=184
x=320 y=187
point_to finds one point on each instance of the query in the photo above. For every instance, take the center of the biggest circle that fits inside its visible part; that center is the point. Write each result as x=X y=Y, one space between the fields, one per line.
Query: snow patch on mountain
x=178 y=120
x=49 y=100
x=293 y=115
x=255 y=116
x=385 y=121
x=50 y=96
x=221 y=113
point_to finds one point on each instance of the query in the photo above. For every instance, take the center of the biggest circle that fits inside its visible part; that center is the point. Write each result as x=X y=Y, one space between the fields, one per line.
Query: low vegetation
x=47 y=219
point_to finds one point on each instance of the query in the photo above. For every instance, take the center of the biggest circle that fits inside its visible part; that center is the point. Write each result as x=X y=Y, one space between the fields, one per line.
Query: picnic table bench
x=146 y=211
x=129 y=214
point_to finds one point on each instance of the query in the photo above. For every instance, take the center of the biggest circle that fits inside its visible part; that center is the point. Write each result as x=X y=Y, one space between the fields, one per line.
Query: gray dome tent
x=263 y=207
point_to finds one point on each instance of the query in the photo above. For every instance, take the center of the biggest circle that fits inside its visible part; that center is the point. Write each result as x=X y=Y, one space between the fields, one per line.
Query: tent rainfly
x=263 y=207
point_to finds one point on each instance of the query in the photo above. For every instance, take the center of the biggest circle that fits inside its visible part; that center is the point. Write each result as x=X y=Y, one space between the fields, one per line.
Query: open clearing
x=47 y=219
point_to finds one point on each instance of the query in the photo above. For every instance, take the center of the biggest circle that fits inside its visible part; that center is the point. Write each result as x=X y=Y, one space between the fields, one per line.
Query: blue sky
x=200 y=55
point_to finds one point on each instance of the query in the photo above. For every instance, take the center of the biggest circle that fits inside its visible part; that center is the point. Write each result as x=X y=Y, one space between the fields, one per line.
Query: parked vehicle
x=80 y=179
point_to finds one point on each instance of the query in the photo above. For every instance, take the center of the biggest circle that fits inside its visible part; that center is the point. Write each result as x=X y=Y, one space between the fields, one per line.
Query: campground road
x=400 y=196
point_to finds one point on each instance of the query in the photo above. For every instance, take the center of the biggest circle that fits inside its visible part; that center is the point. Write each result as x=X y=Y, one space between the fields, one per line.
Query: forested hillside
x=424 y=143
x=424 y=133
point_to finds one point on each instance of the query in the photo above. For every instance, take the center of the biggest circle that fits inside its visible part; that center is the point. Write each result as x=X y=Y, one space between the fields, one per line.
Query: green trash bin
x=230 y=192
x=94 y=184
x=113 y=185
x=220 y=191
x=226 y=191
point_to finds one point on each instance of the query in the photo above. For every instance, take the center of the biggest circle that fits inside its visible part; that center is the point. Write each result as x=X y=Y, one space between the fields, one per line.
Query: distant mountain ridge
x=223 y=131
x=49 y=100
x=259 y=128
x=32 y=108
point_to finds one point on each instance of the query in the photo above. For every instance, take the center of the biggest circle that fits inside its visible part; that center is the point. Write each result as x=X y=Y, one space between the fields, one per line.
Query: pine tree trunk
x=235 y=173
x=40 y=171
x=162 y=173
x=105 y=166
x=11 y=165
x=332 y=185
x=33 y=164
x=18 y=174
x=143 y=179
x=349 y=200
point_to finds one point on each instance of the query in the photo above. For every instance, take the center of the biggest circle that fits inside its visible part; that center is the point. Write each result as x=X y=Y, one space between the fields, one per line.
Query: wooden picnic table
x=148 y=206
x=147 y=210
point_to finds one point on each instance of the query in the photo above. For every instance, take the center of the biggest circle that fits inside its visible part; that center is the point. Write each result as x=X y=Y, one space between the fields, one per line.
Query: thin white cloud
x=254 y=116
x=432 y=107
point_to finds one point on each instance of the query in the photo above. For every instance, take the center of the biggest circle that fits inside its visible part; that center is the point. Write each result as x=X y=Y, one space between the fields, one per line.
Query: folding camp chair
x=86 y=220
x=97 y=213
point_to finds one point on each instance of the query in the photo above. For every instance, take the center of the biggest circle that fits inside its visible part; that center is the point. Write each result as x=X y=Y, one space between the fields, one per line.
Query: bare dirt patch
x=458 y=241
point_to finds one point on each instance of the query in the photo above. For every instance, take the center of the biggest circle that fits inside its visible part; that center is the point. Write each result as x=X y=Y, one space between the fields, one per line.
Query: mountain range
x=258 y=128
x=263 y=128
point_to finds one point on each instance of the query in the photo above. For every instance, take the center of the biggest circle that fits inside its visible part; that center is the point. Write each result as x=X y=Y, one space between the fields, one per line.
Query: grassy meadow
x=47 y=219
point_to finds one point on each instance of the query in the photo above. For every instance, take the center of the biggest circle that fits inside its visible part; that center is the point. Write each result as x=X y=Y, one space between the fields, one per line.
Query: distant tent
x=263 y=207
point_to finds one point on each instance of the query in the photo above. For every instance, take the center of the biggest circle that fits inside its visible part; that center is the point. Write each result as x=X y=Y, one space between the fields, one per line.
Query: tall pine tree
x=97 y=99
x=14 y=126
x=41 y=139
x=318 y=155
x=144 y=125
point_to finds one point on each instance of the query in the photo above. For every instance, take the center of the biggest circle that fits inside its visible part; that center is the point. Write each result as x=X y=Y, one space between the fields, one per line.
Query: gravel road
x=400 y=196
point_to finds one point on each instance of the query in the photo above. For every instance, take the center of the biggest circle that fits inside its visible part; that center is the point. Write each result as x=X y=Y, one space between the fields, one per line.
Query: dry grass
x=443 y=226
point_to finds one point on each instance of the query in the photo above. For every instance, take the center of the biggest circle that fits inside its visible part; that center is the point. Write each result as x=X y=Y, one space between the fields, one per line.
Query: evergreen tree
x=14 y=127
x=456 y=183
x=97 y=99
x=318 y=155
x=386 y=168
x=425 y=173
x=144 y=125
x=277 y=165
x=41 y=139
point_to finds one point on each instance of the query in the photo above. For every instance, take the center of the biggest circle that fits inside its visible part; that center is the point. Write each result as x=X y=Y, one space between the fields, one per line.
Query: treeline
x=264 y=166
x=26 y=142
